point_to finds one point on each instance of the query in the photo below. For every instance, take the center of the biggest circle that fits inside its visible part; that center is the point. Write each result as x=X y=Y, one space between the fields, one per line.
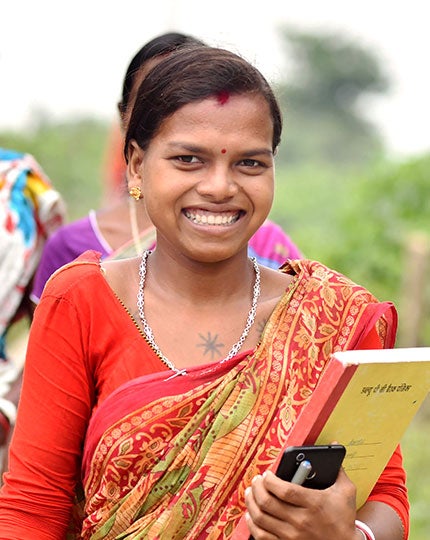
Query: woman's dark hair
x=159 y=46
x=192 y=75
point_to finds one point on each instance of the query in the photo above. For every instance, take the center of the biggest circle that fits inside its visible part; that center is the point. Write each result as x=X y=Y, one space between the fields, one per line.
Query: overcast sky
x=69 y=58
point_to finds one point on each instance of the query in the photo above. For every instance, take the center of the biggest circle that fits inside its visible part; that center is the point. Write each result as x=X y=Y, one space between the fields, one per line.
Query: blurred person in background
x=30 y=210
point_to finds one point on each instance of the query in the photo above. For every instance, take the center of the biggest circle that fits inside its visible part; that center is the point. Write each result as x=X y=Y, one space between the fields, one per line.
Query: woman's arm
x=54 y=408
x=383 y=521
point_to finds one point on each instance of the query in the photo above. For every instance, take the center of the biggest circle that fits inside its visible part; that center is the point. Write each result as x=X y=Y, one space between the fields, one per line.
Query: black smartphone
x=314 y=467
x=323 y=461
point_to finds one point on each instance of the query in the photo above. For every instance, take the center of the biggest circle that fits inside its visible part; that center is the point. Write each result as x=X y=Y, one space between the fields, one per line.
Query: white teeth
x=212 y=219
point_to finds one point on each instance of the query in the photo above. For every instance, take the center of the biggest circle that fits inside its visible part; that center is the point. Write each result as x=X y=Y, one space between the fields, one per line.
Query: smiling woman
x=197 y=196
x=180 y=373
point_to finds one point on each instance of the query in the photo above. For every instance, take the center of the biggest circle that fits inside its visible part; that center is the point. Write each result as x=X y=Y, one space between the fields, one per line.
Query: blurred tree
x=324 y=98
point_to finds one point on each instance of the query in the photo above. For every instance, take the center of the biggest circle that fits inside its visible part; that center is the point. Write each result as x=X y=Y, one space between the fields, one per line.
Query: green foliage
x=356 y=223
x=71 y=154
x=308 y=202
x=359 y=224
x=384 y=208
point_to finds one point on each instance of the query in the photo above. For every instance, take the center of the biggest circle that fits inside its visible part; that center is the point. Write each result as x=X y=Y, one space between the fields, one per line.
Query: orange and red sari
x=170 y=459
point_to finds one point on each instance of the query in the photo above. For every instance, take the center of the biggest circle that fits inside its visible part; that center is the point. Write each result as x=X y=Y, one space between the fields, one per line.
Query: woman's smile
x=206 y=217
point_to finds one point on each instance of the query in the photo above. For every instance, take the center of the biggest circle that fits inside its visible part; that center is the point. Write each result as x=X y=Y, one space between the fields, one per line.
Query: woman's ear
x=135 y=166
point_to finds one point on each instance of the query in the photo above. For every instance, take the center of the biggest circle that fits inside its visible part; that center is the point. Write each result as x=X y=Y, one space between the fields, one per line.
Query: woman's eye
x=188 y=159
x=253 y=163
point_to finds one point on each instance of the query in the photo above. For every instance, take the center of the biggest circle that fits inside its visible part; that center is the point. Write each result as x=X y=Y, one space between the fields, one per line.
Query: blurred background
x=353 y=169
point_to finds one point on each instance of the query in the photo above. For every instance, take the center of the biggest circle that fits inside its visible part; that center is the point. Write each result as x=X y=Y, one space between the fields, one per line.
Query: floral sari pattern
x=171 y=459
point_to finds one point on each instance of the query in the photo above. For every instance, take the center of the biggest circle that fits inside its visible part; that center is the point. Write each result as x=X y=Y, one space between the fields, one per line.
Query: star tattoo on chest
x=211 y=345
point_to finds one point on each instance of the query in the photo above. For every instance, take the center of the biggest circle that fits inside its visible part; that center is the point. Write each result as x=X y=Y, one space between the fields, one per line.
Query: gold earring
x=136 y=193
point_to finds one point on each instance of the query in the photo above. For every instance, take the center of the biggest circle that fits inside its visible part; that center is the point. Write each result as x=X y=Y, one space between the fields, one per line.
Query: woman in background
x=30 y=210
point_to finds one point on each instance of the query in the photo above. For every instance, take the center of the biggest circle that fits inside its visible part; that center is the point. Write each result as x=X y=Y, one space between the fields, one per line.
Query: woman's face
x=208 y=176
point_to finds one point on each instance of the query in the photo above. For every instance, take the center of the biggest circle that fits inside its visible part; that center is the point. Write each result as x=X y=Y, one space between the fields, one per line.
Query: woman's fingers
x=282 y=510
x=269 y=515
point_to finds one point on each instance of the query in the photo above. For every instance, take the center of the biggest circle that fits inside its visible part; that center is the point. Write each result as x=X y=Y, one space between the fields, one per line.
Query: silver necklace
x=150 y=335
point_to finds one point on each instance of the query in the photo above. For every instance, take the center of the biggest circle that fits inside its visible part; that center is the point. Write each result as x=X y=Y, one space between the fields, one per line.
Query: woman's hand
x=280 y=510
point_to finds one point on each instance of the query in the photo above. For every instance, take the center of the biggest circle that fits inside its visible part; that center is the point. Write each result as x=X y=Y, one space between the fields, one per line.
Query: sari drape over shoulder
x=170 y=459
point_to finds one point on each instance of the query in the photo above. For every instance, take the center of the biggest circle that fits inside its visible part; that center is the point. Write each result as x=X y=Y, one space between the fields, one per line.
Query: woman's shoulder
x=75 y=273
x=317 y=275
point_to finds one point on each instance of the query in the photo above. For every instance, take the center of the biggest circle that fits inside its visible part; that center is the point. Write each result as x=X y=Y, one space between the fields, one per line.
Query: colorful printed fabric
x=168 y=459
x=29 y=211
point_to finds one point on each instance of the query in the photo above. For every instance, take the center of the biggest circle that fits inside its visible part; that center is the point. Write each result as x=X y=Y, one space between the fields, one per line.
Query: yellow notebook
x=365 y=400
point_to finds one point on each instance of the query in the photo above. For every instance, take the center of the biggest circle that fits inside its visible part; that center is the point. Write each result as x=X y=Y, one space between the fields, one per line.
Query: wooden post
x=414 y=296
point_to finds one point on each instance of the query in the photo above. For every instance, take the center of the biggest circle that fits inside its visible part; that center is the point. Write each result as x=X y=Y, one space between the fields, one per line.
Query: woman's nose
x=218 y=183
